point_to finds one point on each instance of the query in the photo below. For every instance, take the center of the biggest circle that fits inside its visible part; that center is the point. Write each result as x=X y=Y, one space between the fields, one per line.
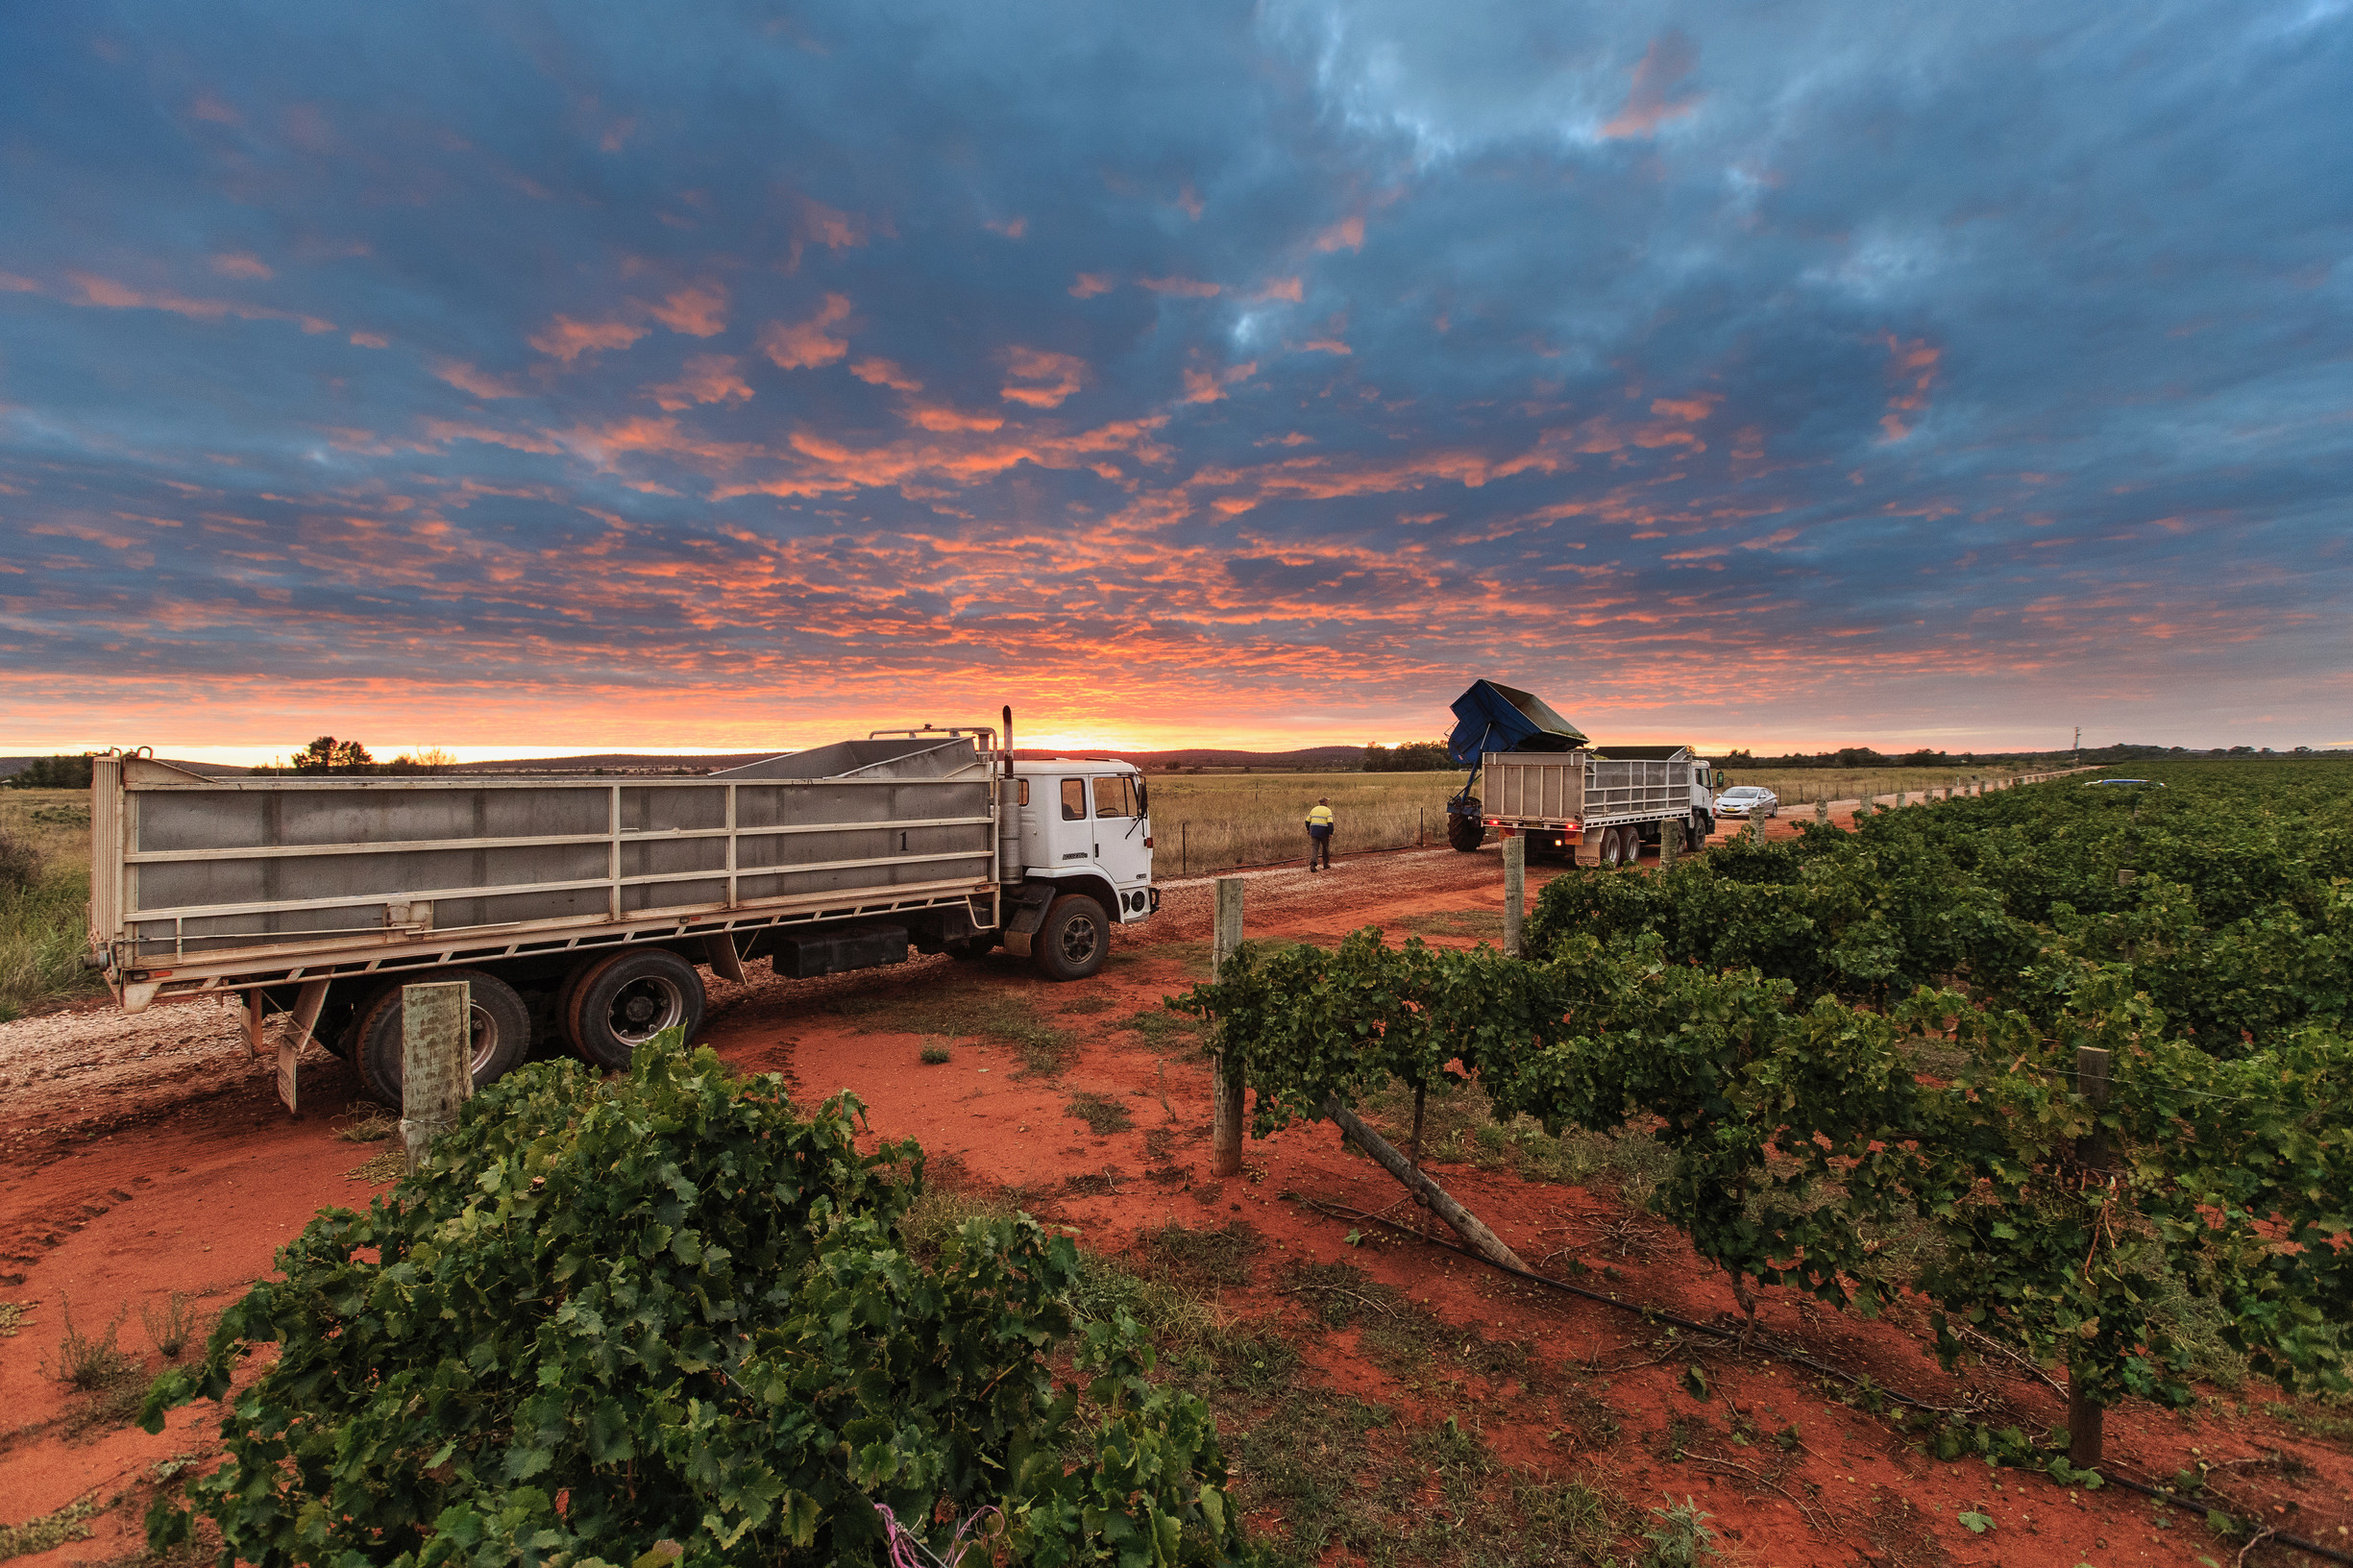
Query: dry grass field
x=1206 y=822
x=44 y=891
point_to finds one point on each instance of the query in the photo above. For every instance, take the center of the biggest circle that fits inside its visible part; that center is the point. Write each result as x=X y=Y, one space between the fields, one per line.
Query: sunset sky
x=586 y=377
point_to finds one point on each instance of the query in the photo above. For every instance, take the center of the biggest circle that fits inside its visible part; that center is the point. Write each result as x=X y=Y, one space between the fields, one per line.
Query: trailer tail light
x=1147 y=840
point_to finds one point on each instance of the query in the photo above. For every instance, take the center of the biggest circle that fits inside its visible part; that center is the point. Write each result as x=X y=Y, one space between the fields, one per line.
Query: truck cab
x=1077 y=861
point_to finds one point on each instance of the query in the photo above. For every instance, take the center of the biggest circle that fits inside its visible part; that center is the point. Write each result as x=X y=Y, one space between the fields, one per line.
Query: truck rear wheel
x=1075 y=938
x=1464 y=828
x=628 y=998
x=500 y=1024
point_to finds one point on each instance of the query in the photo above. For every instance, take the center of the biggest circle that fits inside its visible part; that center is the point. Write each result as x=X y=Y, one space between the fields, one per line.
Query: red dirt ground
x=122 y=1187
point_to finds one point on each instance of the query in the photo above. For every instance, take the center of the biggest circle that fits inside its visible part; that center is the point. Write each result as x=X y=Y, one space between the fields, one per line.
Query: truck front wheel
x=1075 y=938
x=499 y=1023
x=628 y=999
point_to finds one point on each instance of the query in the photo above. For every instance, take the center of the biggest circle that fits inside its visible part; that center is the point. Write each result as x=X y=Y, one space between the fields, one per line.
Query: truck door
x=1121 y=830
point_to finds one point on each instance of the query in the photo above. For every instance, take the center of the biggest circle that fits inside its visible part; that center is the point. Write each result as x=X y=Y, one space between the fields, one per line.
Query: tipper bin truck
x=1545 y=780
x=581 y=909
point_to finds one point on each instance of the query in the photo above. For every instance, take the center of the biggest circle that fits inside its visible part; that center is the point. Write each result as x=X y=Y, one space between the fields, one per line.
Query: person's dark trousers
x=1320 y=843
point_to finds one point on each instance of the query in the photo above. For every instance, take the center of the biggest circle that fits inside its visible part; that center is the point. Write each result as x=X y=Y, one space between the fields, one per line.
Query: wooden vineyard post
x=436 y=1062
x=1822 y=810
x=1670 y=843
x=2084 y=1414
x=1515 y=891
x=1225 y=1077
x=1427 y=1193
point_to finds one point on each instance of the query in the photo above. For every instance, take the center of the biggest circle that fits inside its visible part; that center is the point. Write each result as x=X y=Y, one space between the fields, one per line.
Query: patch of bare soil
x=1356 y=1367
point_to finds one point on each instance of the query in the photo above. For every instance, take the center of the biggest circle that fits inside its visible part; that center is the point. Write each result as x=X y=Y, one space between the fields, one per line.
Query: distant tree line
x=52 y=774
x=1863 y=756
x=1413 y=757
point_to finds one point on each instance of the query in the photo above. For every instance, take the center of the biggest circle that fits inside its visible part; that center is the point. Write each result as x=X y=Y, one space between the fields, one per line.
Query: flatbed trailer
x=580 y=908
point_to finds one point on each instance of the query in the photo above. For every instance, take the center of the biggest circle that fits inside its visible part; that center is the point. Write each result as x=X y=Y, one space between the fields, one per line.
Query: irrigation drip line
x=1341 y=1211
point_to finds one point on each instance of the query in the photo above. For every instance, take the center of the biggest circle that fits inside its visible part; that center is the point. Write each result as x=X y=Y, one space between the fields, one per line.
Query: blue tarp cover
x=1492 y=717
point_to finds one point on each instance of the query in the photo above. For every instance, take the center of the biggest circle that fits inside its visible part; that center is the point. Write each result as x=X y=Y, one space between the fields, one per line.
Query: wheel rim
x=482 y=1034
x=644 y=1008
x=1078 y=940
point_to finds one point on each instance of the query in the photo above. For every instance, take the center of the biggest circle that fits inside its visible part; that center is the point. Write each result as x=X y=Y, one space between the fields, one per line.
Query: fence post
x=1822 y=811
x=2084 y=1415
x=436 y=1062
x=1185 y=847
x=1670 y=843
x=1225 y=1077
x=1515 y=891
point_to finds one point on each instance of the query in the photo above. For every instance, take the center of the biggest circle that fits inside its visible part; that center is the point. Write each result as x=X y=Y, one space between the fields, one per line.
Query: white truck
x=580 y=908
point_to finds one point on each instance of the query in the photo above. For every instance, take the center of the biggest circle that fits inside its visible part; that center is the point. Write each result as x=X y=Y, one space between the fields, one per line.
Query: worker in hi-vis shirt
x=1319 y=834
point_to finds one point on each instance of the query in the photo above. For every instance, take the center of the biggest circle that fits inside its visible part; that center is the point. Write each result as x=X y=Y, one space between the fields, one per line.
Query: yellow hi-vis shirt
x=1319 y=817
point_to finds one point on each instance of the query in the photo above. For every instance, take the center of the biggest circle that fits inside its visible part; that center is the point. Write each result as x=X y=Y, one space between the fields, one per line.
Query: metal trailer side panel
x=1581 y=790
x=1550 y=789
x=221 y=876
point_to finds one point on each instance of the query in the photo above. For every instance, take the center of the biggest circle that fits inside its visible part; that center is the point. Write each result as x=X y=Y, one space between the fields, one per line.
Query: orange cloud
x=885 y=373
x=835 y=231
x=1190 y=288
x=1202 y=386
x=241 y=264
x=1092 y=283
x=808 y=344
x=1347 y=234
x=947 y=420
x=1325 y=345
x=706 y=378
x=107 y=294
x=1280 y=288
x=1911 y=371
x=698 y=310
x=371 y=340
x=565 y=339
x=1666 y=69
x=466 y=378
x=1010 y=228
x=1059 y=374
x=446 y=430
x=1693 y=409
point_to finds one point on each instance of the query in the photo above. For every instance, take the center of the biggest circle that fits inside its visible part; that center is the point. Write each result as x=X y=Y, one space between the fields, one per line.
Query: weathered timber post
x=2083 y=1413
x=436 y=1062
x=1226 y=1075
x=1464 y=1224
x=1899 y=800
x=1670 y=843
x=1515 y=891
x=1821 y=809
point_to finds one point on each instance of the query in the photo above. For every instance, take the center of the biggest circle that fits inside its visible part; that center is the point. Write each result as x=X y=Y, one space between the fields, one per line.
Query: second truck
x=1546 y=782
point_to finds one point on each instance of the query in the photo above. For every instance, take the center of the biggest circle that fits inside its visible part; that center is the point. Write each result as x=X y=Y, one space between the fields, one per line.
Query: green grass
x=1164 y=1029
x=70 y=1523
x=959 y=1006
x=1475 y=924
x=44 y=840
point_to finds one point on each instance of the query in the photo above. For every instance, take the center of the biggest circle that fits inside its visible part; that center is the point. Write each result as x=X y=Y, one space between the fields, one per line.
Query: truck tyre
x=629 y=997
x=1694 y=836
x=1075 y=938
x=1464 y=828
x=498 y=1019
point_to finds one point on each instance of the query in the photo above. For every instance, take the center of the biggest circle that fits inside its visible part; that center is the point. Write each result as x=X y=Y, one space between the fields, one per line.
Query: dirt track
x=150 y=1154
